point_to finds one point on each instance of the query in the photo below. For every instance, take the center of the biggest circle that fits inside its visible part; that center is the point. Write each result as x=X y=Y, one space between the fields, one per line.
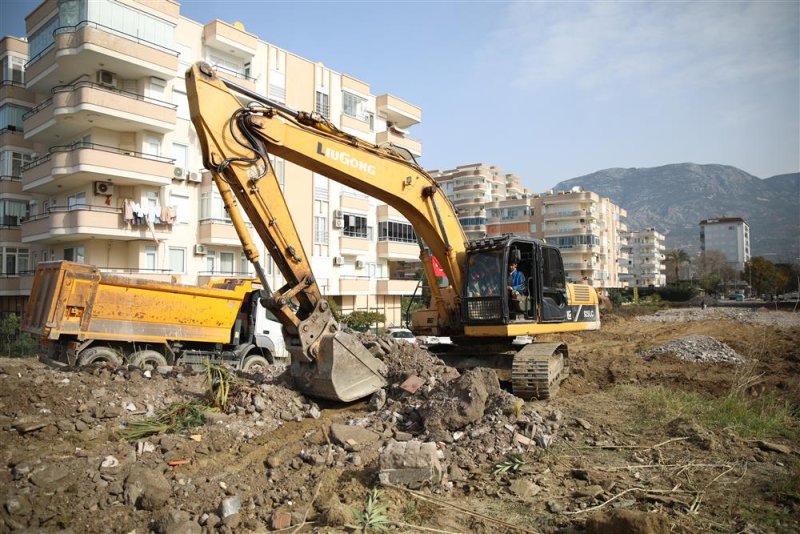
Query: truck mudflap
x=343 y=371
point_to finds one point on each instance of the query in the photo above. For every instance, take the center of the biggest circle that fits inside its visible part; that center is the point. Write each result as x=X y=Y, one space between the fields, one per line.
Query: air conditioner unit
x=178 y=173
x=359 y=264
x=200 y=250
x=338 y=223
x=194 y=176
x=338 y=260
x=337 y=214
x=107 y=78
x=103 y=188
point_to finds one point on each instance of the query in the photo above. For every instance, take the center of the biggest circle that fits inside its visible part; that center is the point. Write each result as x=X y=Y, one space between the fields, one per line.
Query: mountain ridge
x=674 y=198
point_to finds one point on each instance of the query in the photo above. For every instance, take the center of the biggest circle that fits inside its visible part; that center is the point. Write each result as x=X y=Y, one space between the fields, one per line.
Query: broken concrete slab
x=410 y=463
x=353 y=437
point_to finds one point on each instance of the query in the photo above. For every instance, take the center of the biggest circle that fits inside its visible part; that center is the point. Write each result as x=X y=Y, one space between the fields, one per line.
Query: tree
x=713 y=270
x=362 y=320
x=763 y=276
x=675 y=258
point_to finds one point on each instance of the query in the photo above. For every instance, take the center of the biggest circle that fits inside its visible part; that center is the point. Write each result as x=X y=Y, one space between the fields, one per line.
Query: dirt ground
x=631 y=444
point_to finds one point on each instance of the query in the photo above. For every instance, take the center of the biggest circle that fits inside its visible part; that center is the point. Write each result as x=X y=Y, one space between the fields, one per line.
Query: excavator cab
x=538 y=294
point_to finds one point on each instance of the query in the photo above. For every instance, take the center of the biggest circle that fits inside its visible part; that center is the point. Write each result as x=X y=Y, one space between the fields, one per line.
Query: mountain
x=675 y=198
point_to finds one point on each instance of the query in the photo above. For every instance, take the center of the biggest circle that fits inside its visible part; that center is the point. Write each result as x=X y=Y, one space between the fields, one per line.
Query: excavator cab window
x=484 y=287
x=554 y=286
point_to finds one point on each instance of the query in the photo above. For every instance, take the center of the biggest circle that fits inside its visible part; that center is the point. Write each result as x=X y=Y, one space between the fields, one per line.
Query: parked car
x=403 y=334
x=429 y=341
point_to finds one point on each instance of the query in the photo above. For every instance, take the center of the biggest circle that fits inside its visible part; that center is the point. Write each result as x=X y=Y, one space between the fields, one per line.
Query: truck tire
x=254 y=360
x=147 y=359
x=94 y=355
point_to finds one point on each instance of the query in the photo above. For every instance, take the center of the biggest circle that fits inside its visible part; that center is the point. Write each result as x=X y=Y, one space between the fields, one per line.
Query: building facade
x=645 y=258
x=729 y=235
x=102 y=165
x=586 y=227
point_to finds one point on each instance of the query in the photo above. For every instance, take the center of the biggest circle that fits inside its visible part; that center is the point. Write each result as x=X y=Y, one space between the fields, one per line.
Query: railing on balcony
x=136 y=221
x=90 y=24
x=234 y=73
x=105 y=148
x=97 y=86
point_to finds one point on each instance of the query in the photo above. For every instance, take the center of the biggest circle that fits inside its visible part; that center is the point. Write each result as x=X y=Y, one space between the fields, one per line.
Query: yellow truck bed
x=76 y=299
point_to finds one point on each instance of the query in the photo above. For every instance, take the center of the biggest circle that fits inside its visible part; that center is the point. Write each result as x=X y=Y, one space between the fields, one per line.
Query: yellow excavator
x=490 y=323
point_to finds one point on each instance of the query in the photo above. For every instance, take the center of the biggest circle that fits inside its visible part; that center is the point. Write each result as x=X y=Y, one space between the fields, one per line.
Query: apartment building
x=645 y=258
x=729 y=235
x=101 y=164
x=586 y=227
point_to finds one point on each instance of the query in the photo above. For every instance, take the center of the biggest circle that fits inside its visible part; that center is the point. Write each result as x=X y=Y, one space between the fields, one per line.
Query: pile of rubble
x=696 y=349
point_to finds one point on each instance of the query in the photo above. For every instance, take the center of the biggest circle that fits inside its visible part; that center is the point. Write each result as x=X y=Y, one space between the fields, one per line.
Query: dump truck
x=85 y=316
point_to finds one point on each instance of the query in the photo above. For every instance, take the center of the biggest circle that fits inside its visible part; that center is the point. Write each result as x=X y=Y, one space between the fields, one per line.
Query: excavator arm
x=236 y=140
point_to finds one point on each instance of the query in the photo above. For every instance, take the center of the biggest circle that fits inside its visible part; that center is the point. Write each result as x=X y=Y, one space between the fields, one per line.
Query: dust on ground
x=454 y=451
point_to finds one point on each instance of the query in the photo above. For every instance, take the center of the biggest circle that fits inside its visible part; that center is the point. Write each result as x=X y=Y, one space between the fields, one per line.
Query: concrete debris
x=410 y=463
x=697 y=349
x=146 y=489
x=775 y=319
x=353 y=438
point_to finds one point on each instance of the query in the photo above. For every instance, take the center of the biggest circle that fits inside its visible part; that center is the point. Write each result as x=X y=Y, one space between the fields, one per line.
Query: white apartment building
x=729 y=235
x=645 y=258
x=101 y=164
x=586 y=227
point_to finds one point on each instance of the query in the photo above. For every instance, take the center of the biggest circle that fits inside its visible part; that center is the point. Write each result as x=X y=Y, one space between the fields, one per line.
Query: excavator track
x=538 y=370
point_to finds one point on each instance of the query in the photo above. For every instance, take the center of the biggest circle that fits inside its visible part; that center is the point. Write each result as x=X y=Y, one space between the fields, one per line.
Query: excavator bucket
x=343 y=371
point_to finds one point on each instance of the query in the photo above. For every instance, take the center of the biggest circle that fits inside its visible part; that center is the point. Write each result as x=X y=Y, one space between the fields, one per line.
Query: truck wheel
x=94 y=355
x=147 y=359
x=253 y=361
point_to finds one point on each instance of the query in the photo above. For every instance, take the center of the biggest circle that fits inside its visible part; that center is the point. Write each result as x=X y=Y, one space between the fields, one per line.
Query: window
x=11 y=117
x=15 y=261
x=181 y=204
x=156 y=89
x=177 y=259
x=322 y=106
x=150 y=255
x=353 y=106
x=131 y=22
x=277 y=85
x=75 y=254
x=320 y=230
x=244 y=265
x=152 y=146
x=355 y=226
x=279 y=168
x=180 y=153
x=76 y=201
x=226 y=262
x=13 y=211
x=11 y=163
x=320 y=187
x=180 y=100
x=212 y=207
x=13 y=69
x=396 y=231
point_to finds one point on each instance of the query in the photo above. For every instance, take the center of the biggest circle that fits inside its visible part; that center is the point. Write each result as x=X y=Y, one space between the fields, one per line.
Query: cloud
x=599 y=45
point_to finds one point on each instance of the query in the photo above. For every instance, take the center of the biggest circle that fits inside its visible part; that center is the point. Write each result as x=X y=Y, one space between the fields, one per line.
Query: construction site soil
x=650 y=433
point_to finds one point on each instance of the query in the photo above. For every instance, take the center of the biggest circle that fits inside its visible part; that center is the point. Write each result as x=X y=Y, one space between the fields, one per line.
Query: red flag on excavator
x=437 y=267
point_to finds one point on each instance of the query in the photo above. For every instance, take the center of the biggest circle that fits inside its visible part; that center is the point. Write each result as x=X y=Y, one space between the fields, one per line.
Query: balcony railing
x=94 y=146
x=89 y=24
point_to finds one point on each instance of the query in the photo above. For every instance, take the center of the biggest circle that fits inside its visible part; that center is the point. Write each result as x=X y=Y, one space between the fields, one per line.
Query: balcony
x=218 y=232
x=568 y=197
x=10 y=233
x=396 y=287
x=10 y=185
x=582 y=229
x=394 y=250
x=354 y=245
x=83 y=47
x=11 y=137
x=63 y=224
x=390 y=136
x=74 y=109
x=397 y=111
x=15 y=90
x=239 y=78
x=568 y=214
x=231 y=39
x=66 y=167
x=349 y=285
x=570 y=249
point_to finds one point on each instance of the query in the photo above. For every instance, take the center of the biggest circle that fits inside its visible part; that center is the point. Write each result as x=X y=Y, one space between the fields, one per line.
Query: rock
x=232 y=521
x=353 y=437
x=556 y=508
x=410 y=463
x=259 y=403
x=65 y=426
x=274 y=461
x=146 y=489
x=459 y=403
x=773 y=447
x=314 y=412
x=378 y=400
x=403 y=436
x=109 y=462
x=524 y=489
x=589 y=491
x=26 y=426
x=333 y=513
x=230 y=506
x=177 y=522
x=18 y=505
x=628 y=522
x=584 y=423
x=50 y=477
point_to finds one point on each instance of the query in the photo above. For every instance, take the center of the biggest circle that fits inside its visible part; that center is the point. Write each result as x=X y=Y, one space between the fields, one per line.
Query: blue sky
x=554 y=90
